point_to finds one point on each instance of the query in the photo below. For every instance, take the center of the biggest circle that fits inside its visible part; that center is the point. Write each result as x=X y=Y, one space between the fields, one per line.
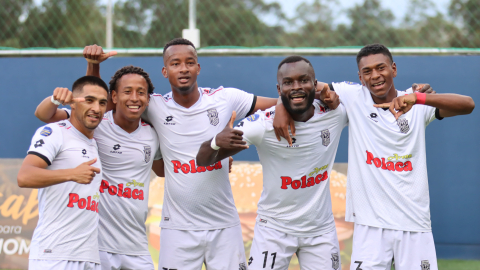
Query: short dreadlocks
x=130 y=70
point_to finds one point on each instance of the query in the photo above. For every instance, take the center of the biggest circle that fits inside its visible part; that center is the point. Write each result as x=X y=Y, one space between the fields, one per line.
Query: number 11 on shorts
x=274 y=255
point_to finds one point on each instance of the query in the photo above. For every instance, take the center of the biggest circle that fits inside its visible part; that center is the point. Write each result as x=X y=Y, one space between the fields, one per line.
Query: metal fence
x=249 y=23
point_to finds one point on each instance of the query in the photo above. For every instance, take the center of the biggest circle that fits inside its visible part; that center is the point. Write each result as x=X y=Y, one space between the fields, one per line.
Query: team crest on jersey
x=213 y=116
x=148 y=152
x=425 y=265
x=335 y=261
x=46 y=131
x=403 y=125
x=325 y=137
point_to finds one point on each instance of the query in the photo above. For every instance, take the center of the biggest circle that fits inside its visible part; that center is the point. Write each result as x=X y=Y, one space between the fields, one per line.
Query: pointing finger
x=90 y=162
x=383 y=105
x=96 y=170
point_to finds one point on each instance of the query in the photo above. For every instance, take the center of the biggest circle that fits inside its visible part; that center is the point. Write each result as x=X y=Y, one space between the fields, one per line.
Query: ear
x=360 y=78
x=394 y=68
x=164 y=72
x=278 y=90
x=315 y=84
x=114 y=96
x=198 y=72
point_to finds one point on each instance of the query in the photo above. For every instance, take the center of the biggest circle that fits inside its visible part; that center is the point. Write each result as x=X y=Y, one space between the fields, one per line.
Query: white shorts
x=61 y=265
x=187 y=250
x=114 y=261
x=273 y=249
x=374 y=248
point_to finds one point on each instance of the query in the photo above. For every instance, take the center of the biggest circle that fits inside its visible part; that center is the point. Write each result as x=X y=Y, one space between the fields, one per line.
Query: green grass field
x=447 y=265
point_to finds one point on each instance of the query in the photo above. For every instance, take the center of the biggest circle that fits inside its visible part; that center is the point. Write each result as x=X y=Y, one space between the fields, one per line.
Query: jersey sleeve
x=430 y=114
x=253 y=128
x=240 y=101
x=68 y=111
x=345 y=90
x=46 y=143
x=158 y=154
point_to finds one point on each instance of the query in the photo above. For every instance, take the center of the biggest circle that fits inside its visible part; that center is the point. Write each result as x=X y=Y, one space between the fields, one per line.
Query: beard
x=290 y=110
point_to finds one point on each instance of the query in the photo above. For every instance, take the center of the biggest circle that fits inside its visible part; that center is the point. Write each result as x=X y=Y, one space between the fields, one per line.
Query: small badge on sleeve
x=46 y=131
x=253 y=118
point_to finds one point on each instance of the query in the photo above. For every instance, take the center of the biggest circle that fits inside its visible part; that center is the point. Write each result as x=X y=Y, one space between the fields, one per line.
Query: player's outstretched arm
x=48 y=111
x=94 y=55
x=34 y=174
x=227 y=143
x=448 y=104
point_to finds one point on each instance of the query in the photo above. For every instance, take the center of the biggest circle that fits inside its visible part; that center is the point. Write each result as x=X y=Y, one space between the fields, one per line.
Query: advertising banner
x=19 y=211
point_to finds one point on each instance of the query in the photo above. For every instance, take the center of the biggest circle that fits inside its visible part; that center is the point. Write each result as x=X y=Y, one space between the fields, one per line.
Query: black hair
x=88 y=80
x=293 y=59
x=375 y=48
x=130 y=70
x=178 y=41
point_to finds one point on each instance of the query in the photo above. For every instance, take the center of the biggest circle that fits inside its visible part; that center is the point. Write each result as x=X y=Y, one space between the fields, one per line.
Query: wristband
x=420 y=98
x=56 y=102
x=213 y=144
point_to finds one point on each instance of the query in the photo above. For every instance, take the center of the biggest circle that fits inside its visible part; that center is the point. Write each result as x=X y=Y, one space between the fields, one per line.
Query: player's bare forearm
x=33 y=174
x=158 y=167
x=93 y=69
x=450 y=104
x=207 y=156
x=264 y=103
x=48 y=112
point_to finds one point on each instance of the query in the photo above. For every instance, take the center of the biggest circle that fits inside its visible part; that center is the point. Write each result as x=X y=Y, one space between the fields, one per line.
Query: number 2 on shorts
x=274 y=254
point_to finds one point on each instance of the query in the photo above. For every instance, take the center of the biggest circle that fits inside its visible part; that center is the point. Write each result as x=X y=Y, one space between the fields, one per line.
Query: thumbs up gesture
x=64 y=96
x=94 y=54
x=230 y=138
x=327 y=96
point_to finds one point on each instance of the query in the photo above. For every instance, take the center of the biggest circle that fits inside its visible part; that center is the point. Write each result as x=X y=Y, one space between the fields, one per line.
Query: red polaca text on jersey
x=191 y=168
x=136 y=194
x=87 y=204
x=303 y=182
x=398 y=166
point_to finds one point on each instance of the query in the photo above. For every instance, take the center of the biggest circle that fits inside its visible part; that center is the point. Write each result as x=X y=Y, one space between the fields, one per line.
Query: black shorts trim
x=253 y=105
x=40 y=156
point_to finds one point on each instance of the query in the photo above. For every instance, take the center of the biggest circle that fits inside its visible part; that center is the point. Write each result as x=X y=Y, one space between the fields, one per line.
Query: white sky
x=398 y=7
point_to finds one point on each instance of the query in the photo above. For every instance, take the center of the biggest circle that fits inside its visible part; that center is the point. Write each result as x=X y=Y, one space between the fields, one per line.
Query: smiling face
x=131 y=96
x=89 y=113
x=296 y=86
x=181 y=68
x=376 y=72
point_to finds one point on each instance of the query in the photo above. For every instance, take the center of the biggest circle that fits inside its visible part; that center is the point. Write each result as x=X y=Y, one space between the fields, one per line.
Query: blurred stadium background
x=138 y=28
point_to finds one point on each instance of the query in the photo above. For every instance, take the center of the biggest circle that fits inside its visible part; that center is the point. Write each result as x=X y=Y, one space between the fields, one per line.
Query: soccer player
x=127 y=148
x=62 y=162
x=295 y=210
x=387 y=186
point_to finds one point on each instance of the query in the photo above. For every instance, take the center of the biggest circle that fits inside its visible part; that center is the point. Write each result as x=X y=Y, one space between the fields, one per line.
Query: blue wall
x=452 y=144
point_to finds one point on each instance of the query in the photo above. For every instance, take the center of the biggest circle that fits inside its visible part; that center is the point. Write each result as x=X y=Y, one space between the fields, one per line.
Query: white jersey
x=296 y=190
x=127 y=161
x=387 y=184
x=67 y=212
x=196 y=197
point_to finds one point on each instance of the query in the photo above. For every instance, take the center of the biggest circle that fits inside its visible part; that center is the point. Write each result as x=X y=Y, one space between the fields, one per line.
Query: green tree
x=63 y=23
x=371 y=23
x=10 y=20
x=467 y=13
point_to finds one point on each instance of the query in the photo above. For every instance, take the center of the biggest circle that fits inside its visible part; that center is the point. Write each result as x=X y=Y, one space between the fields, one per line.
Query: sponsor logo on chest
x=392 y=164
x=303 y=182
x=88 y=204
x=191 y=167
x=129 y=193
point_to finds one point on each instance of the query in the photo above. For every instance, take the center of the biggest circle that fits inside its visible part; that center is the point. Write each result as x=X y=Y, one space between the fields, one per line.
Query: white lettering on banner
x=10 y=229
x=12 y=246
